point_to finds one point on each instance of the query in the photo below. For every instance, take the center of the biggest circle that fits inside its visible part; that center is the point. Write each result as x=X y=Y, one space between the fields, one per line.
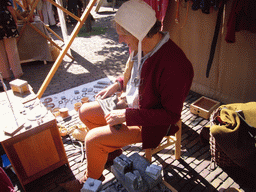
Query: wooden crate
x=19 y=86
x=204 y=106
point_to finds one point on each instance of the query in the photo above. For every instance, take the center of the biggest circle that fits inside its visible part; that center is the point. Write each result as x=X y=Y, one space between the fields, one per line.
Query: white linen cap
x=137 y=17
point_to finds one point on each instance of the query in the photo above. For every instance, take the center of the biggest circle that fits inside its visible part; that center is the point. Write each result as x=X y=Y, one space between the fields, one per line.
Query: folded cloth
x=234 y=131
x=108 y=105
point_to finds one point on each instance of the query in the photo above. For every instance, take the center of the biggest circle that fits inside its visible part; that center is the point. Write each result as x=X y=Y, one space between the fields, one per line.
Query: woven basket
x=218 y=156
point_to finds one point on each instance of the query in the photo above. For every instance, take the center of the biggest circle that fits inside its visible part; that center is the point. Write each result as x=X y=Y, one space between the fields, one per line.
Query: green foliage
x=95 y=31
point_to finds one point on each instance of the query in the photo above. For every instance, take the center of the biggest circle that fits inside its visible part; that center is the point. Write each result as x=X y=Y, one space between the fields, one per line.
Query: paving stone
x=227 y=183
x=223 y=176
x=205 y=172
x=193 y=142
x=213 y=174
x=235 y=185
x=190 y=120
x=203 y=165
x=189 y=159
x=192 y=165
x=216 y=182
x=187 y=117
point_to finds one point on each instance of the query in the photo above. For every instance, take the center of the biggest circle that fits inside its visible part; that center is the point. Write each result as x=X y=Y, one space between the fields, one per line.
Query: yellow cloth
x=249 y=111
x=236 y=134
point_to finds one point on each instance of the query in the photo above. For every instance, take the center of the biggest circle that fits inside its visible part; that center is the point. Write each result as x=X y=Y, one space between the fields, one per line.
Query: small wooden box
x=20 y=86
x=204 y=107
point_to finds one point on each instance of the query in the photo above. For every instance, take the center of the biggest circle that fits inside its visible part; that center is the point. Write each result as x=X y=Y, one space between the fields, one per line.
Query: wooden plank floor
x=193 y=172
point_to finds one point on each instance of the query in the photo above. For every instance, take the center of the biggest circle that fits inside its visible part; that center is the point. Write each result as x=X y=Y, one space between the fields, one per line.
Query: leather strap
x=215 y=38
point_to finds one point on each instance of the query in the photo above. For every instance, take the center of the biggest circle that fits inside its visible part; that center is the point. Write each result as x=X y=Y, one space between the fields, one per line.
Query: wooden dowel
x=65 y=10
x=47 y=27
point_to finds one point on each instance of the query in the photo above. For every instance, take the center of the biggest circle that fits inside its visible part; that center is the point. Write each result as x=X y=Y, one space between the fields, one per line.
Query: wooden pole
x=63 y=23
x=53 y=32
x=65 y=10
x=65 y=49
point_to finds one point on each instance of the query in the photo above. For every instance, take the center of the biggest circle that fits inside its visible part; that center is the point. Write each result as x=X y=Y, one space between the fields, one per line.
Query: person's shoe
x=72 y=186
x=77 y=185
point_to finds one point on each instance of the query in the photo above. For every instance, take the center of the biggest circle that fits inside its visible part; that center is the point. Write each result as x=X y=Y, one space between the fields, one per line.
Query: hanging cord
x=81 y=147
x=215 y=37
x=177 y=13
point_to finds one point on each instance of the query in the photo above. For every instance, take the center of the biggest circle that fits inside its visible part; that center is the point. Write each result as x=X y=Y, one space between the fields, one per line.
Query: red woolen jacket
x=166 y=78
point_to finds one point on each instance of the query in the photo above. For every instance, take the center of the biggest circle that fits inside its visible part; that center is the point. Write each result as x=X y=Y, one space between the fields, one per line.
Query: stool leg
x=178 y=140
x=148 y=154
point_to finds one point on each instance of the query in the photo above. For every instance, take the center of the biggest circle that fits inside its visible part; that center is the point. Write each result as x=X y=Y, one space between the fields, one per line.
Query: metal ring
x=48 y=100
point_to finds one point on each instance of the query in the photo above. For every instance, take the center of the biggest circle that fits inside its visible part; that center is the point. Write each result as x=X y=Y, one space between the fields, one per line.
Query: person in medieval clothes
x=158 y=83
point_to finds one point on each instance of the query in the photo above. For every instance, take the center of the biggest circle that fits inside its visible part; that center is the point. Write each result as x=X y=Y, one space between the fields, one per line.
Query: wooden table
x=36 y=150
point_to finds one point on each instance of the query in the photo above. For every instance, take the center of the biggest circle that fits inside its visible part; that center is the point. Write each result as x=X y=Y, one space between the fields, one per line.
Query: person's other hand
x=115 y=117
x=109 y=91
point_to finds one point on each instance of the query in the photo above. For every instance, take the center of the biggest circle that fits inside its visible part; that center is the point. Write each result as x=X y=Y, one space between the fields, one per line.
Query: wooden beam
x=65 y=10
x=63 y=24
x=49 y=29
x=65 y=49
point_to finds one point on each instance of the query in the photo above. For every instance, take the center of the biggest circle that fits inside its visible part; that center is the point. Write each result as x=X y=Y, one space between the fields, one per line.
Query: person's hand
x=115 y=117
x=109 y=91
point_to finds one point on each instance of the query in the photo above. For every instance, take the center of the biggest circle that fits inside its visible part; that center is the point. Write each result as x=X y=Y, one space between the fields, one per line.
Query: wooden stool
x=170 y=140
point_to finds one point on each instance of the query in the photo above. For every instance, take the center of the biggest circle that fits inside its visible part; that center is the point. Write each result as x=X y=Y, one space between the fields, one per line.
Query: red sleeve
x=121 y=81
x=5 y=182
